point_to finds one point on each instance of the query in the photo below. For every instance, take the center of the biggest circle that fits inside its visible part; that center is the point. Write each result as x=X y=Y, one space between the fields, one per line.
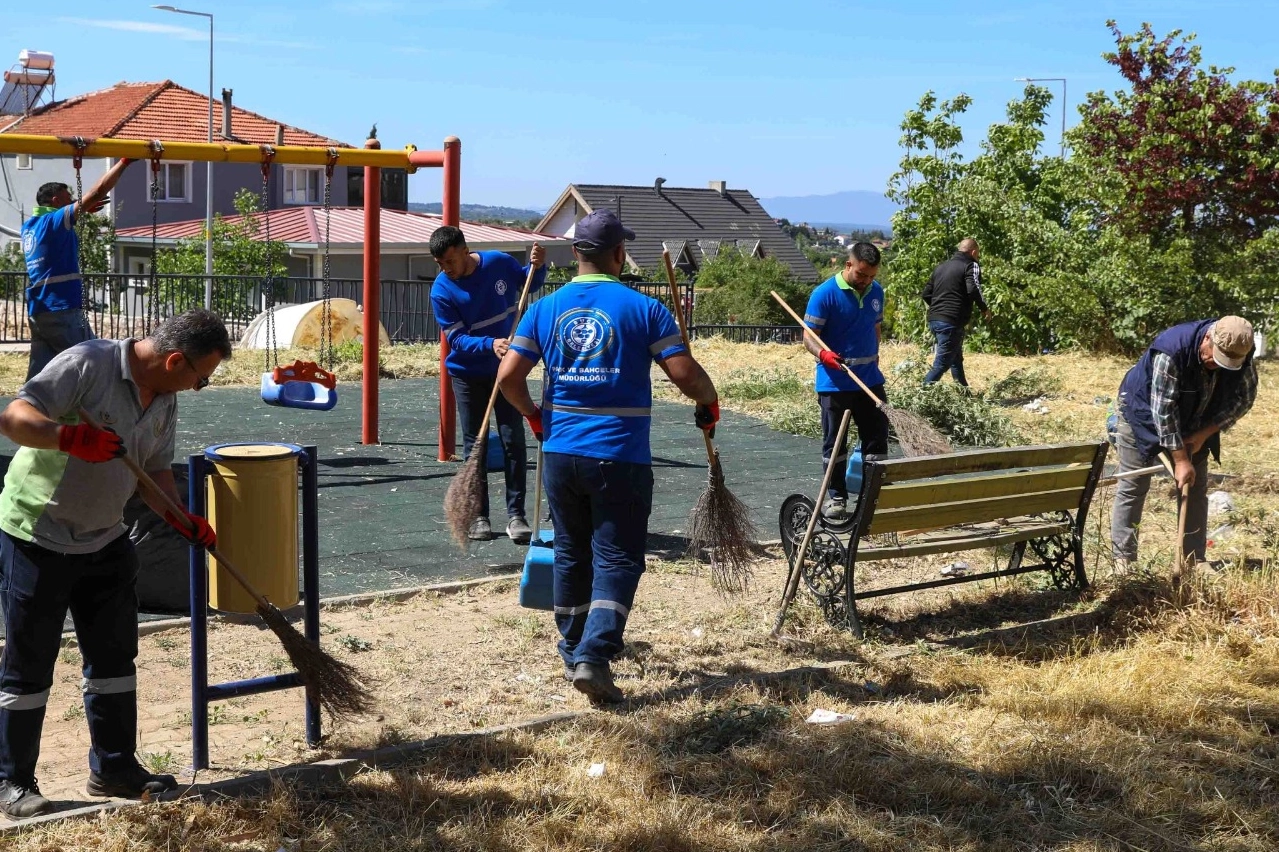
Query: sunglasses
x=203 y=380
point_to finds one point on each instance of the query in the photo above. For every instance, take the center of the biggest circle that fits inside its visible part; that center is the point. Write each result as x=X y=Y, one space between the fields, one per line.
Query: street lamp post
x=208 y=182
x=1061 y=80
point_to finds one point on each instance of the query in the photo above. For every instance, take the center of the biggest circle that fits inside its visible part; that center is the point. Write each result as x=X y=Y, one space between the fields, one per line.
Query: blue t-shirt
x=478 y=309
x=846 y=321
x=599 y=339
x=53 y=261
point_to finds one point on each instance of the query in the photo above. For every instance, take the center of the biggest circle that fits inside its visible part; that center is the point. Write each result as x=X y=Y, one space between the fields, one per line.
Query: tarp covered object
x=301 y=326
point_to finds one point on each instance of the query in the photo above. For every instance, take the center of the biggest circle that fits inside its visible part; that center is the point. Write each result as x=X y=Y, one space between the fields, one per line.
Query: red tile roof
x=162 y=110
x=304 y=225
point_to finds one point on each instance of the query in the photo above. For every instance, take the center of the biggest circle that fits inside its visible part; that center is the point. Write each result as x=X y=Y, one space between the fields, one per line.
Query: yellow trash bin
x=252 y=503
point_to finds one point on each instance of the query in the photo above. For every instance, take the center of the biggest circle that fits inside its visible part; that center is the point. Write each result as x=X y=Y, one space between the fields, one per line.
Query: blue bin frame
x=203 y=692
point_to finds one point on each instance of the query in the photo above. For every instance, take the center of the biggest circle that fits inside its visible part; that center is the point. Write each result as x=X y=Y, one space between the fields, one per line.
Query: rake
x=719 y=521
x=335 y=685
x=797 y=570
x=465 y=496
x=915 y=434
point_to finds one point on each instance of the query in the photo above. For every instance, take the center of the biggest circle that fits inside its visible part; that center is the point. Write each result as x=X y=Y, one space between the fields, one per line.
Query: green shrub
x=966 y=418
x=733 y=288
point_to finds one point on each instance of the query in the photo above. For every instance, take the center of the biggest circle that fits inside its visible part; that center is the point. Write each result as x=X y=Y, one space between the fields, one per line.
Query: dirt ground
x=457 y=661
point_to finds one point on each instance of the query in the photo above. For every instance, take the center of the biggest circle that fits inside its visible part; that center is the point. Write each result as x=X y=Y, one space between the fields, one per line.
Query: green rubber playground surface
x=381 y=507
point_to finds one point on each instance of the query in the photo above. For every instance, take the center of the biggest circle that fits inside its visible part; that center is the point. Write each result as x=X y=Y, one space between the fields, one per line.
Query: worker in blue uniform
x=846 y=312
x=474 y=298
x=598 y=339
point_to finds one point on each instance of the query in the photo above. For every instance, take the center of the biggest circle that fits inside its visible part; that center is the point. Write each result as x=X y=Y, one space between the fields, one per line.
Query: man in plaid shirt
x=1196 y=380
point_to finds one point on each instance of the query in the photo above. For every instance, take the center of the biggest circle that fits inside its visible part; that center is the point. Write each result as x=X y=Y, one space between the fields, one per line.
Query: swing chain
x=327 y=356
x=272 y=356
x=153 y=290
x=81 y=217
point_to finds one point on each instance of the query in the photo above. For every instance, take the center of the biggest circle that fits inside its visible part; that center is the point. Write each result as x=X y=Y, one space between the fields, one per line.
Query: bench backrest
x=978 y=486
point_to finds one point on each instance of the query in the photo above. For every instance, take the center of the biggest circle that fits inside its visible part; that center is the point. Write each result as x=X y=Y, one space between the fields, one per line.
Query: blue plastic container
x=494 y=457
x=537 y=585
x=853 y=476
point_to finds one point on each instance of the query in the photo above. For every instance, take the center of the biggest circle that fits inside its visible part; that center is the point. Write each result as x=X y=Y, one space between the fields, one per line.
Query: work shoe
x=130 y=783
x=481 y=530
x=835 y=509
x=570 y=669
x=519 y=531
x=595 y=681
x=18 y=802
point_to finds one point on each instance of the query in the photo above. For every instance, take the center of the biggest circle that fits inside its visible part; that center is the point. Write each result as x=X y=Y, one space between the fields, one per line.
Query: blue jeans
x=600 y=511
x=950 y=352
x=37 y=586
x=472 y=393
x=52 y=332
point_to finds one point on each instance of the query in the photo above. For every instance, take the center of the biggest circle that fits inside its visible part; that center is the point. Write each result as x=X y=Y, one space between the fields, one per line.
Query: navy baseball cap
x=600 y=231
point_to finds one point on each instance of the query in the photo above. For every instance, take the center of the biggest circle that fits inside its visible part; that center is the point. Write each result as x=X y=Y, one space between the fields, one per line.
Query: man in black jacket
x=951 y=292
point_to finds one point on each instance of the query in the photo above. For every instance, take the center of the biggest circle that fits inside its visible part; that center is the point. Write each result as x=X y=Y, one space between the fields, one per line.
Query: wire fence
x=120 y=305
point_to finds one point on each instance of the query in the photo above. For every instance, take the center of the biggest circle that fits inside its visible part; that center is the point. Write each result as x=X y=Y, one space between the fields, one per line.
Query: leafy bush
x=734 y=288
x=966 y=418
x=1023 y=385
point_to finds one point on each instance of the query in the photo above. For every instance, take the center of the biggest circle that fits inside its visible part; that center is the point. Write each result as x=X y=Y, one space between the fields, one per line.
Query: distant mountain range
x=480 y=211
x=853 y=210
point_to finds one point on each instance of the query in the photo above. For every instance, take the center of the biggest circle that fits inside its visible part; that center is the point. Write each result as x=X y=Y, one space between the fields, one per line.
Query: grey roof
x=702 y=219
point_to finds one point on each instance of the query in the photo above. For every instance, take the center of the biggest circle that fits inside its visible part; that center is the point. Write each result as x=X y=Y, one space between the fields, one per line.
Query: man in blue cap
x=599 y=339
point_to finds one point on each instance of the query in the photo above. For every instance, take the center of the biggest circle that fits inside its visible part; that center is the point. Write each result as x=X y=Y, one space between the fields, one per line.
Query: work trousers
x=600 y=511
x=37 y=587
x=52 y=332
x=1130 y=499
x=949 y=354
x=472 y=393
x=872 y=429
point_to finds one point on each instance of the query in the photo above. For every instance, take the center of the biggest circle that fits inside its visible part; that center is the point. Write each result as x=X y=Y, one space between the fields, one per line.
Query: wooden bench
x=1034 y=498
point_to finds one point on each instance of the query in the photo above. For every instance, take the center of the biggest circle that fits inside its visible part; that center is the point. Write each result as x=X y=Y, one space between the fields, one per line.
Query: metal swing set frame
x=372 y=159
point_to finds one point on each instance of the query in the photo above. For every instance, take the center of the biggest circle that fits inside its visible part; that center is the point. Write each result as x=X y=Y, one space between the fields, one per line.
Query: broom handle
x=792 y=581
x=879 y=403
x=1183 y=495
x=149 y=486
x=537 y=496
x=683 y=333
x=519 y=311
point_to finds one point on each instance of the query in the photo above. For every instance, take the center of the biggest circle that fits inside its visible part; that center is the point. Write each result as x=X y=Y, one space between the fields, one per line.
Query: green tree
x=1185 y=184
x=238 y=250
x=735 y=288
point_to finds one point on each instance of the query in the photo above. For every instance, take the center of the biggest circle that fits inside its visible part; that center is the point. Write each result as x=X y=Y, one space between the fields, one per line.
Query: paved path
x=381 y=518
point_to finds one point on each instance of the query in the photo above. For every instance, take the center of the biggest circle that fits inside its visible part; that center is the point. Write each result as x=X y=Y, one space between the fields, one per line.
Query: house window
x=174 y=182
x=303 y=185
x=24 y=161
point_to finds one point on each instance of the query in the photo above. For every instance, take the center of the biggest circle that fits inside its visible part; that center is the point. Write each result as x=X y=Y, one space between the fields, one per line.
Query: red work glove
x=706 y=416
x=535 y=423
x=830 y=359
x=199 y=532
x=89 y=443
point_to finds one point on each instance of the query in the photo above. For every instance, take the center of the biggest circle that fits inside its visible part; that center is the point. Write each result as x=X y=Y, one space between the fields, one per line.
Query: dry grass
x=1128 y=722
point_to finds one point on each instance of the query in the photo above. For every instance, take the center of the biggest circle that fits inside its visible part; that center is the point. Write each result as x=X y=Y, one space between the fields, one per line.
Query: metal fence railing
x=120 y=305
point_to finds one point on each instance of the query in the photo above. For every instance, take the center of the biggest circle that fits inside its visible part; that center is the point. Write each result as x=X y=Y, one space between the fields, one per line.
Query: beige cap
x=1231 y=342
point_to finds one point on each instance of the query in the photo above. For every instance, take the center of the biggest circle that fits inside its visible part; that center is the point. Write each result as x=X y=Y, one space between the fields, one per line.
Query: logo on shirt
x=584 y=333
x=500 y=287
x=874 y=304
x=28 y=241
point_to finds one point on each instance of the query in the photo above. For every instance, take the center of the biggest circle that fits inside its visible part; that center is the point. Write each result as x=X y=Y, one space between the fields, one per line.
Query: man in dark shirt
x=953 y=289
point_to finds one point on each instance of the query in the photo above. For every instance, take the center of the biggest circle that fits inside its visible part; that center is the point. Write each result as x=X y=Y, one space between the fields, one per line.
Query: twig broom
x=719 y=521
x=916 y=436
x=334 y=684
x=465 y=495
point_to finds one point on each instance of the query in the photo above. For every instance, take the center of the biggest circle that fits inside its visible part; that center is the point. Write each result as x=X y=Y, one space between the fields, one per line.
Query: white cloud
x=184 y=33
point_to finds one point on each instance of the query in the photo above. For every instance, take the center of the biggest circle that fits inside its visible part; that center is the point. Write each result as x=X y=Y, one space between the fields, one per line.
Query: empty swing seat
x=300 y=385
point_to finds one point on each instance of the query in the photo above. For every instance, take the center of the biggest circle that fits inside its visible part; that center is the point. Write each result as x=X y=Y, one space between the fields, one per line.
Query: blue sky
x=782 y=98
